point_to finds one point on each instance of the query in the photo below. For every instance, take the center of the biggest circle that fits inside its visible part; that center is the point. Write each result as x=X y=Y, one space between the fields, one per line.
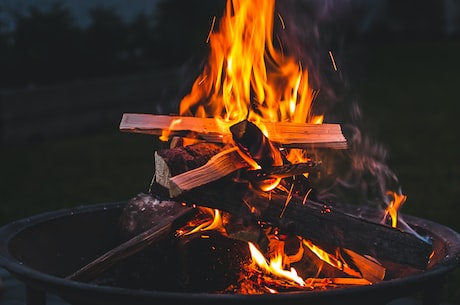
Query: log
x=178 y=160
x=218 y=166
x=285 y=171
x=184 y=168
x=324 y=225
x=286 y=134
x=156 y=232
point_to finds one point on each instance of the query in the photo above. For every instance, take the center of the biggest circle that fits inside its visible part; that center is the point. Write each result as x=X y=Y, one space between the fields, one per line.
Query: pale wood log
x=218 y=166
x=175 y=161
x=287 y=134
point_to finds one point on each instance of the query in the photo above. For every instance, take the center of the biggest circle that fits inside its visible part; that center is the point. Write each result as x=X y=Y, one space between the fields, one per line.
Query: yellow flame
x=275 y=266
x=166 y=132
x=246 y=72
x=393 y=207
x=214 y=224
x=330 y=259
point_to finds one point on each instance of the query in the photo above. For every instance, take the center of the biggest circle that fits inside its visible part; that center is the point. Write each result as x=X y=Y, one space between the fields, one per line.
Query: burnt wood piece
x=285 y=171
x=156 y=232
x=286 y=134
x=250 y=139
x=322 y=224
x=256 y=146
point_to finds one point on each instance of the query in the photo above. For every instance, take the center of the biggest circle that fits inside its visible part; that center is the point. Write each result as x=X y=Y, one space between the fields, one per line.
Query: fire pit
x=250 y=147
x=42 y=250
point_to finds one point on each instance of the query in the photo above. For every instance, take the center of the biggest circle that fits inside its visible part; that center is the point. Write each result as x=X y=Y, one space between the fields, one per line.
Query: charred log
x=322 y=224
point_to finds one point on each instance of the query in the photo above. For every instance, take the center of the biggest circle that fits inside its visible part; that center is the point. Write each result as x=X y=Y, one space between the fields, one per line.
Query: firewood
x=250 y=139
x=173 y=213
x=285 y=171
x=369 y=268
x=324 y=225
x=175 y=161
x=183 y=168
x=218 y=166
x=287 y=134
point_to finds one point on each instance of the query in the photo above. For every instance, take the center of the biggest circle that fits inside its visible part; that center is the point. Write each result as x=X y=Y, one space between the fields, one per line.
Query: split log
x=324 y=225
x=183 y=168
x=293 y=135
x=175 y=161
x=218 y=166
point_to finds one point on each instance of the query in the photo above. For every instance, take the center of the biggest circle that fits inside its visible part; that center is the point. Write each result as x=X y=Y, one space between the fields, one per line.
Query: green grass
x=410 y=98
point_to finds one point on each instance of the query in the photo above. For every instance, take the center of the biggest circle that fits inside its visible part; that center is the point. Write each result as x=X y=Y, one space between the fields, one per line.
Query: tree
x=182 y=27
x=45 y=45
x=105 y=40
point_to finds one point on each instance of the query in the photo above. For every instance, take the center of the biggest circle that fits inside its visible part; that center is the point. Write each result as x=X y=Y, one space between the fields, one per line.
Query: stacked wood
x=217 y=171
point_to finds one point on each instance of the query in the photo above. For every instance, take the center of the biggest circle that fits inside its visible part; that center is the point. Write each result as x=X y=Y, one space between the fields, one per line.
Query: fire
x=393 y=207
x=275 y=266
x=247 y=76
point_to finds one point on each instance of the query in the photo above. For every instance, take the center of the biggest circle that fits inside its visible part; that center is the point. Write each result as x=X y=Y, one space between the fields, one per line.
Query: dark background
x=64 y=87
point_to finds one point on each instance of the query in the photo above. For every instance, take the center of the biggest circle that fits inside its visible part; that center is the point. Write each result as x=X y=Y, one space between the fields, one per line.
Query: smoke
x=318 y=33
x=360 y=174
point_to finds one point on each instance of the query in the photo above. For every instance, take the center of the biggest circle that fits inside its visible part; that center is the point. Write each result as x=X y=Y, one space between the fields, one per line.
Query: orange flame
x=246 y=75
x=393 y=207
x=275 y=266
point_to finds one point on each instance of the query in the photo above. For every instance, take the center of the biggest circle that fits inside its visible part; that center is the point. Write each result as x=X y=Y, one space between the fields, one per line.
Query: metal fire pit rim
x=37 y=279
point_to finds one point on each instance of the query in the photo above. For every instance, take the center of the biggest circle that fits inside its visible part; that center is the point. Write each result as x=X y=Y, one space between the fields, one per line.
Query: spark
x=282 y=21
x=306 y=196
x=288 y=199
x=333 y=60
x=211 y=29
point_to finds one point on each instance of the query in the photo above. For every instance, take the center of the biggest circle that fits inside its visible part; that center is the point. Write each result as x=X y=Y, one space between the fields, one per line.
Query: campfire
x=240 y=206
x=242 y=171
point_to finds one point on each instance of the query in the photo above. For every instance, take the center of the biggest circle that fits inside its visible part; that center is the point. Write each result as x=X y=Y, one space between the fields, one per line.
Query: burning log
x=257 y=147
x=285 y=171
x=287 y=134
x=320 y=223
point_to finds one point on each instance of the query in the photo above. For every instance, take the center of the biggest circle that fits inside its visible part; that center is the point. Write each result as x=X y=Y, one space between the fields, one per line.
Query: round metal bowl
x=42 y=250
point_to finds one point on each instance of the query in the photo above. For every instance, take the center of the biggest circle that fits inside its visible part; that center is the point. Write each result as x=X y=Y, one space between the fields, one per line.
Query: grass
x=409 y=97
x=101 y=167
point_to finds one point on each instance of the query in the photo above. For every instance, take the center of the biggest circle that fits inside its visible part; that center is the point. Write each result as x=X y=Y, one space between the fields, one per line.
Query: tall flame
x=246 y=75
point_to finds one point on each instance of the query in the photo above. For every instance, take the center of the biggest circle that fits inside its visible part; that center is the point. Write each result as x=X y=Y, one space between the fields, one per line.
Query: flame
x=330 y=259
x=165 y=132
x=393 y=207
x=246 y=75
x=212 y=221
x=275 y=266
